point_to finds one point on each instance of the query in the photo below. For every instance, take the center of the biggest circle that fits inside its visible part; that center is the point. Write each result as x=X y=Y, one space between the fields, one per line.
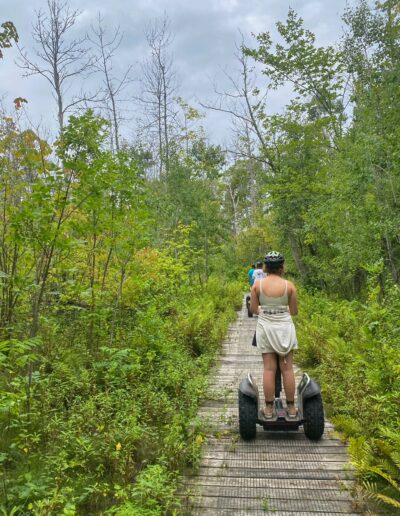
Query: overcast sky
x=204 y=31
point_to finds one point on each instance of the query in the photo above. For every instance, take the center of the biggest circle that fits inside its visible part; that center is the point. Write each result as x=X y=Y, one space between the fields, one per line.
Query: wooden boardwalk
x=281 y=473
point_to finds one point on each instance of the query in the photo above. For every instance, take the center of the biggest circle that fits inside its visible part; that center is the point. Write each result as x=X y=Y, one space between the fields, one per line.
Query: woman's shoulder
x=291 y=286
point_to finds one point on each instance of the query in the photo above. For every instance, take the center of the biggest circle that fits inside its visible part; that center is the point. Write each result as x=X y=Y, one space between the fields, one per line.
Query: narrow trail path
x=281 y=473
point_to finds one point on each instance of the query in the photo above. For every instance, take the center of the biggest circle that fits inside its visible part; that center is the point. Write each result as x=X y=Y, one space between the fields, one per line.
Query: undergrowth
x=108 y=429
x=353 y=350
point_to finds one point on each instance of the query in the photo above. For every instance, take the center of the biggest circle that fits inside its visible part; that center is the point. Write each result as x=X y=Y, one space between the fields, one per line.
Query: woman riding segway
x=274 y=300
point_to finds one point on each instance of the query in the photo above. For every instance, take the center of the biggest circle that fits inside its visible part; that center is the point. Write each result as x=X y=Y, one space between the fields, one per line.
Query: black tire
x=314 y=421
x=247 y=416
x=249 y=314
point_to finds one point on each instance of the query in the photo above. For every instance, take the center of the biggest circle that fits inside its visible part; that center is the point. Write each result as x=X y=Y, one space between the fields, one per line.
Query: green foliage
x=333 y=184
x=378 y=465
x=152 y=495
x=8 y=34
x=106 y=338
x=353 y=349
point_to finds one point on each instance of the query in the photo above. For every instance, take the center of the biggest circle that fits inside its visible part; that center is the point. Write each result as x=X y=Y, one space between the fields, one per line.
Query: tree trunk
x=390 y=259
x=297 y=255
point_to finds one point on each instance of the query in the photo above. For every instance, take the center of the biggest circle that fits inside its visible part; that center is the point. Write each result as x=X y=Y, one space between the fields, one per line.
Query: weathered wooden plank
x=275 y=483
x=300 y=447
x=244 y=471
x=305 y=494
x=274 y=440
x=275 y=456
x=272 y=505
x=260 y=455
x=221 y=512
x=275 y=464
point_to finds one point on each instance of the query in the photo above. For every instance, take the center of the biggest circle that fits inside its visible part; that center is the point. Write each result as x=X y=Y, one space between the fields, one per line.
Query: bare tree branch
x=103 y=64
x=239 y=103
x=59 y=59
x=159 y=86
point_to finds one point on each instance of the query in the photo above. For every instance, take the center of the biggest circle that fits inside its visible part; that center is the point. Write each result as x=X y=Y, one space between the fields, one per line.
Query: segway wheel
x=314 y=418
x=249 y=314
x=247 y=417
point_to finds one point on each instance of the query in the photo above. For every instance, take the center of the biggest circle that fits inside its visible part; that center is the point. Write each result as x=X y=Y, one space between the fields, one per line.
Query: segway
x=310 y=410
x=249 y=314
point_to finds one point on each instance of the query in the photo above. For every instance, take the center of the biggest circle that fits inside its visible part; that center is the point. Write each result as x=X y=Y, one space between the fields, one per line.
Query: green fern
x=371 y=488
x=378 y=465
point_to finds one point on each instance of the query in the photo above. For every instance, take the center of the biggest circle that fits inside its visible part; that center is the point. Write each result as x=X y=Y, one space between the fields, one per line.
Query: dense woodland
x=123 y=262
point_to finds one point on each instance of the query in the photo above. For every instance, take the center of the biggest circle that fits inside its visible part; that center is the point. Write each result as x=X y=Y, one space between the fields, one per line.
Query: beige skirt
x=276 y=333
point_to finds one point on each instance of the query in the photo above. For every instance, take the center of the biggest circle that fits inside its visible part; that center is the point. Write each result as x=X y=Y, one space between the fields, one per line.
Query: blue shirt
x=250 y=274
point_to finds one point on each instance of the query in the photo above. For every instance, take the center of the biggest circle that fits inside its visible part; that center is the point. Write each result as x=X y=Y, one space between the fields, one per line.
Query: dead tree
x=245 y=103
x=159 y=86
x=58 y=59
x=112 y=87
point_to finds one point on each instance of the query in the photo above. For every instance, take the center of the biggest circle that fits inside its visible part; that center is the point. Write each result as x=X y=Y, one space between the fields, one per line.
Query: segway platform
x=310 y=411
x=280 y=419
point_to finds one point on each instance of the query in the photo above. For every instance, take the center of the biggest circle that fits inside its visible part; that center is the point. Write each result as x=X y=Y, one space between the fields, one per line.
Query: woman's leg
x=270 y=364
x=289 y=382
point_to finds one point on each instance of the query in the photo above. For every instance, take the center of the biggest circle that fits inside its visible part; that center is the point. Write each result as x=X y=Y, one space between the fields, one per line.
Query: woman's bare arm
x=254 y=302
x=292 y=299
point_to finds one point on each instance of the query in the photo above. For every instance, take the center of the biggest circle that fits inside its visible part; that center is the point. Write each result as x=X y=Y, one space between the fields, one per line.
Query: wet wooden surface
x=281 y=473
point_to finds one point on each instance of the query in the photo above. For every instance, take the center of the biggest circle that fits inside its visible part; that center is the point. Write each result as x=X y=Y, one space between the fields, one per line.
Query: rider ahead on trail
x=274 y=300
x=258 y=273
x=250 y=274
